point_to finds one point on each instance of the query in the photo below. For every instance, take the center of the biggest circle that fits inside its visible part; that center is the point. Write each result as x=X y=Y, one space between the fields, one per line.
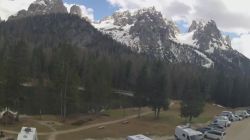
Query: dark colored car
x=217 y=127
x=204 y=129
x=248 y=111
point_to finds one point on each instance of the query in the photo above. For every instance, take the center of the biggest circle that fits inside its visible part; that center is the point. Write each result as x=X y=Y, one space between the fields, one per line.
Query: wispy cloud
x=231 y=16
x=242 y=44
x=11 y=7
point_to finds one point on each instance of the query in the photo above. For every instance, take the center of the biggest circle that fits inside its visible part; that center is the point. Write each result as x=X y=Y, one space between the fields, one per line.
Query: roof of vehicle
x=215 y=125
x=224 y=118
x=241 y=111
x=139 y=137
x=27 y=133
x=226 y=112
x=213 y=130
x=190 y=131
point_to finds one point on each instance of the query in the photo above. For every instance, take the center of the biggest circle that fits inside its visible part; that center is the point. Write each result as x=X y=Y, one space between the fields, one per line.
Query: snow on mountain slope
x=210 y=62
x=147 y=31
x=42 y=7
x=186 y=38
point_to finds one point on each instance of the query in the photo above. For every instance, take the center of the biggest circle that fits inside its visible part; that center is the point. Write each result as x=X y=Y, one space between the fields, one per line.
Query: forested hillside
x=60 y=64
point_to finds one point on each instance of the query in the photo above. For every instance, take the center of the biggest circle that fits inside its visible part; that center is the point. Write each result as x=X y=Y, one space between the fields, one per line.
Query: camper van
x=138 y=137
x=27 y=133
x=186 y=133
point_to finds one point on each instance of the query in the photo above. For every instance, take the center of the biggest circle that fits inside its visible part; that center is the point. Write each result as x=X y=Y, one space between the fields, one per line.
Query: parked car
x=248 y=115
x=222 y=120
x=186 y=133
x=204 y=129
x=229 y=115
x=238 y=117
x=214 y=134
x=138 y=137
x=217 y=127
x=242 y=113
x=248 y=111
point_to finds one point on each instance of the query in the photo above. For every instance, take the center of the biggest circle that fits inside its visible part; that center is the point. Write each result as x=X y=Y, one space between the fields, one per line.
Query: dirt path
x=52 y=135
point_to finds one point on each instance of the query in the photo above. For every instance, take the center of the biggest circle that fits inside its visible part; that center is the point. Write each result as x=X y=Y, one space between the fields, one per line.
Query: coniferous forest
x=57 y=75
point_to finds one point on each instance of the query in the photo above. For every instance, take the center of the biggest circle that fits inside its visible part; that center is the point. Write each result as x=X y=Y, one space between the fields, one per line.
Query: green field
x=145 y=125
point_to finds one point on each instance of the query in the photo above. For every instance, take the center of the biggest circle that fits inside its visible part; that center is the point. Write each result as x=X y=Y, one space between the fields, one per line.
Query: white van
x=138 y=137
x=27 y=133
x=186 y=133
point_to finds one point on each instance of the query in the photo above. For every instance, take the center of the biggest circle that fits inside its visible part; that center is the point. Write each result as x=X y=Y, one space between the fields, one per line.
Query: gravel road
x=239 y=130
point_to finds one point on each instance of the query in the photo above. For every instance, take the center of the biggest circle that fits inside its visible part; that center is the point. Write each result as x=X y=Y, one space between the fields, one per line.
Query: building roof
x=7 y=110
x=27 y=133
x=139 y=137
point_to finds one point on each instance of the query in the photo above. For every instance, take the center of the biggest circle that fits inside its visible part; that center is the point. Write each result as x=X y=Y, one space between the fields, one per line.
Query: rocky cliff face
x=147 y=31
x=208 y=36
x=42 y=7
x=76 y=10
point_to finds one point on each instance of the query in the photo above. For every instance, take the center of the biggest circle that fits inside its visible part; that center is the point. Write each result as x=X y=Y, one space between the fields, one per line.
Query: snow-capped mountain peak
x=147 y=31
x=129 y=27
x=208 y=35
x=41 y=7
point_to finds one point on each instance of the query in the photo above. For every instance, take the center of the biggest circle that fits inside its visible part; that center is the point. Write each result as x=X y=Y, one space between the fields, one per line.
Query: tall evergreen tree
x=98 y=83
x=65 y=76
x=158 y=89
x=142 y=88
x=16 y=73
x=193 y=100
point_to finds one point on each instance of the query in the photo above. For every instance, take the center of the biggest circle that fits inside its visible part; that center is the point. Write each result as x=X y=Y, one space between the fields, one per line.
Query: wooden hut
x=8 y=117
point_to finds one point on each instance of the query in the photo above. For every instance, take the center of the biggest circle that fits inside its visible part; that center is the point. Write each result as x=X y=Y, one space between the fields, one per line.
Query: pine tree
x=15 y=73
x=98 y=83
x=193 y=100
x=158 y=88
x=65 y=77
x=141 y=94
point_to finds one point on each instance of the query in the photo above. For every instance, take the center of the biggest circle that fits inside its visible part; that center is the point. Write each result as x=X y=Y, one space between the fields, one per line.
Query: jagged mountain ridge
x=147 y=31
x=43 y=7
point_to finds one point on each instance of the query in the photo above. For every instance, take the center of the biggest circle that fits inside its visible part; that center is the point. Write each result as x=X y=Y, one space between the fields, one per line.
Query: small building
x=138 y=137
x=8 y=117
x=27 y=133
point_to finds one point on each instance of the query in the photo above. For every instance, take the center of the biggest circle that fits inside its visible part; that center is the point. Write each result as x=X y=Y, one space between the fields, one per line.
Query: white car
x=238 y=117
x=138 y=137
x=242 y=113
x=186 y=133
x=221 y=122
x=229 y=115
x=213 y=134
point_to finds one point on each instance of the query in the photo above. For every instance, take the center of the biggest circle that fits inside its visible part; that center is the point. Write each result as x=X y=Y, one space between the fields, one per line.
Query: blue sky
x=101 y=7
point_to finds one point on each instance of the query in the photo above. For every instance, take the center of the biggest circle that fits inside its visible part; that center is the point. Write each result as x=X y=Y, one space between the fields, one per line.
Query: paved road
x=239 y=130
